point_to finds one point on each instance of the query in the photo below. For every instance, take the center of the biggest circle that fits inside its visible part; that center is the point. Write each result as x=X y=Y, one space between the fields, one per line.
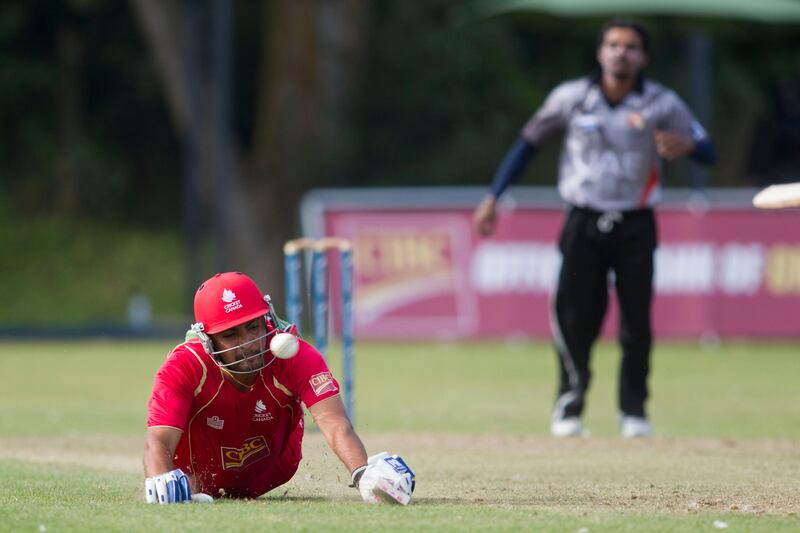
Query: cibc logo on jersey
x=254 y=449
x=322 y=383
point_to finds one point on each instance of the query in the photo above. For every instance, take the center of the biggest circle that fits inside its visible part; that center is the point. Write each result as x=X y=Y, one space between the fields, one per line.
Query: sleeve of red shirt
x=309 y=376
x=173 y=390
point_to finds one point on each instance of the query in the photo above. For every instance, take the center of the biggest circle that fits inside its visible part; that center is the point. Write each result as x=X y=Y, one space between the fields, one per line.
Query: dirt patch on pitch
x=670 y=475
x=578 y=475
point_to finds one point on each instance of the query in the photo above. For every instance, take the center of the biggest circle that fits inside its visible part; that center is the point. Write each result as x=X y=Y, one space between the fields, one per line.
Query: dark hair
x=626 y=22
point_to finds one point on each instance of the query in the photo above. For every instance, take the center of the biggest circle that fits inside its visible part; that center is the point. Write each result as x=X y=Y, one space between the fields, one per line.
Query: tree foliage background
x=334 y=93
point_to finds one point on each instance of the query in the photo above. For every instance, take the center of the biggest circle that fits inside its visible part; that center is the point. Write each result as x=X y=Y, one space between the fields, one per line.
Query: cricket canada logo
x=322 y=383
x=254 y=449
x=228 y=296
x=231 y=303
x=261 y=414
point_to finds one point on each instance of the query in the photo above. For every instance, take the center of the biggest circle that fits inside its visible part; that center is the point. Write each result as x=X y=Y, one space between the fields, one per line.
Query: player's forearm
x=158 y=456
x=157 y=462
x=514 y=162
x=348 y=447
x=332 y=420
x=704 y=152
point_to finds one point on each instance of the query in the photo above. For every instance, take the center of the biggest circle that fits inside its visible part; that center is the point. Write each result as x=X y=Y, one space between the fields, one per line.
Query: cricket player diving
x=225 y=417
x=617 y=127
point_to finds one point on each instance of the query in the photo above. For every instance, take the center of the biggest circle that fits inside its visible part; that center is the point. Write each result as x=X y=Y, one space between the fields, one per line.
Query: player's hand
x=170 y=487
x=671 y=145
x=385 y=479
x=485 y=216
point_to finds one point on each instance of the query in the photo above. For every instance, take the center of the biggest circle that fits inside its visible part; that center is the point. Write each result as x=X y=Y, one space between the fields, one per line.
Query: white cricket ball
x=284 y=345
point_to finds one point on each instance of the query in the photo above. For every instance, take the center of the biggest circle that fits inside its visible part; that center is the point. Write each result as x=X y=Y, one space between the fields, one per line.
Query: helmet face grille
x=227 y=300
x=263 y=352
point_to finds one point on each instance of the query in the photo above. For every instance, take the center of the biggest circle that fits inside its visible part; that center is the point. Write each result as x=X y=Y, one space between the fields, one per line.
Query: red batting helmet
x=227 y=300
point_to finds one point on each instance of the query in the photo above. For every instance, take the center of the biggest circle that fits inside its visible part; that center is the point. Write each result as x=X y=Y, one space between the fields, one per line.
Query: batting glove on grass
x=170 y=487
x=385 y=478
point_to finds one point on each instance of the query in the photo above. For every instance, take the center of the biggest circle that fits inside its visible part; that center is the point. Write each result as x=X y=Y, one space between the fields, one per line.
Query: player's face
x=621 y=53
x=244 y=345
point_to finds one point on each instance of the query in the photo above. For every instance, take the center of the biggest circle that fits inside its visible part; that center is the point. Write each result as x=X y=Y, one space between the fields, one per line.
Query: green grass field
x=470 y=418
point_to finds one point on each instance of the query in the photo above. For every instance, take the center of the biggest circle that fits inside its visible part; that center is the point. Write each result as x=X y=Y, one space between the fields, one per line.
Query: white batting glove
x=170 y=487
x=385 y=479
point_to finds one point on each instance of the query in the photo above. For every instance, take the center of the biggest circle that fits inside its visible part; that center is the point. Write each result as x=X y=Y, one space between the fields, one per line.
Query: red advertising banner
x=425 y=273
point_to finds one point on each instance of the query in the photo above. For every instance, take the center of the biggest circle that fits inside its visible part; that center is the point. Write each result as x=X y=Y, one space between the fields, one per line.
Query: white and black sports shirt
x=609 y=159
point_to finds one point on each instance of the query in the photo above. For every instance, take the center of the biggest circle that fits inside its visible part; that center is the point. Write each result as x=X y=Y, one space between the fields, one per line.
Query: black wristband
x=355 y=476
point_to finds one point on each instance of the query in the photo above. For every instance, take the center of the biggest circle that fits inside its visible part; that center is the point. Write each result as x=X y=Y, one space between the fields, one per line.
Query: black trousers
x=593 y=245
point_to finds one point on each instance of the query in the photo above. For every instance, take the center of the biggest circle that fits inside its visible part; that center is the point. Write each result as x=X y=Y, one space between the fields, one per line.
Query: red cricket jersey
x=242 y=443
